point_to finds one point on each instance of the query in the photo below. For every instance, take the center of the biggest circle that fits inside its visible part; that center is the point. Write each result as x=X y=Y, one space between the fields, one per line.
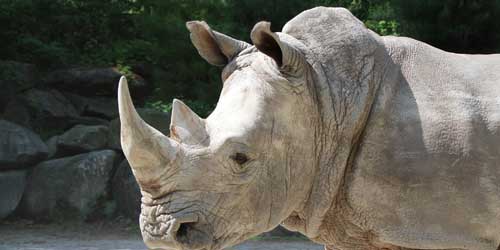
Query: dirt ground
x=98 y=236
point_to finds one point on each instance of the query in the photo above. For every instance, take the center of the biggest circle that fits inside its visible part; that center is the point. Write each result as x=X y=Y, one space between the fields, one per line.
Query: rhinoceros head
x=218 y=181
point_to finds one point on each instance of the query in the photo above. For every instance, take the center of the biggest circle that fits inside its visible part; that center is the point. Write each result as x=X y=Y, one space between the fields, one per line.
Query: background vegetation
x=150 y=36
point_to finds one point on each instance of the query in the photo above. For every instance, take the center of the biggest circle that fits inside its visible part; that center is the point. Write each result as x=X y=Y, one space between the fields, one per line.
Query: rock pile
x=60 y=152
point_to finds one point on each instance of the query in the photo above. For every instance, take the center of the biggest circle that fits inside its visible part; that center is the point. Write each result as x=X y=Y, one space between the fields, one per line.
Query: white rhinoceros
x=355 y=140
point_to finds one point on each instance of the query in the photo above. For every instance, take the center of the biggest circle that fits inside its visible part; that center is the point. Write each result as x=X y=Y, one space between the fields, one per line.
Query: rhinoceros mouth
x=164 y=226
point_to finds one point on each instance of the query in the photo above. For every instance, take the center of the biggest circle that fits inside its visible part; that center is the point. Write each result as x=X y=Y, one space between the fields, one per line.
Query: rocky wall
x=60 y=152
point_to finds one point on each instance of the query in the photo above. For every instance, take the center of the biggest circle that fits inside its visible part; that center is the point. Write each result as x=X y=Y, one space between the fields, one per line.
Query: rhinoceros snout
x=173 y=231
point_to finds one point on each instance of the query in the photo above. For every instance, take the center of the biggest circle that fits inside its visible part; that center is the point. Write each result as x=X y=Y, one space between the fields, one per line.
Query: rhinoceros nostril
x=191 y=236
x=182 y=233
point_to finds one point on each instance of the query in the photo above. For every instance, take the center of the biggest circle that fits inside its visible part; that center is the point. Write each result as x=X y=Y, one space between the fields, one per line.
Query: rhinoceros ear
x=218 y=49
x=185 y=125
x=286 y=56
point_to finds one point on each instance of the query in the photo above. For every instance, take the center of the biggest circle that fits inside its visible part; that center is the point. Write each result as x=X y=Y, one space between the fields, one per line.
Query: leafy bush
x=459 y=26
x=160 y=106
x=125 y=33
x=201 y=108
x=383 y=27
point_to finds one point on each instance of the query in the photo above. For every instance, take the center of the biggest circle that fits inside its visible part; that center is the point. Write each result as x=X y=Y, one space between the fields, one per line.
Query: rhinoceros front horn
x=147 y=150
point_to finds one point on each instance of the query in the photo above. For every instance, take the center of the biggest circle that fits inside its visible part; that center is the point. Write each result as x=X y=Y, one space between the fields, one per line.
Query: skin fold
x=355 y=140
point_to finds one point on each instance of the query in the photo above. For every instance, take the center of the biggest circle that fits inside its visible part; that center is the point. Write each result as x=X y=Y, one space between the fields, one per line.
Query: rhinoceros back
x=428 y=168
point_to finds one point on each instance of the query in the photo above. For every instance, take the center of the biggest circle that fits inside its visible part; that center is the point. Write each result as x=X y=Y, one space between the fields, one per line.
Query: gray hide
x=355 y=140
x=425 y=173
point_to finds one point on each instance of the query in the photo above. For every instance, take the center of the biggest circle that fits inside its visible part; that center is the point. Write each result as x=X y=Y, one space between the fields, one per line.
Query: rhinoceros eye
x=239 y=158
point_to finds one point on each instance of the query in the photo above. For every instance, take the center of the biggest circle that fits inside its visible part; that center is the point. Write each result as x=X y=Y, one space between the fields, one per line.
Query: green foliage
x=8 y=72
x=201 y=108
x=383 y=27
x=380 y=18
x=159 y=105
x=126 y=70
x=465 y=26
x=56 y=33
x=126 y=33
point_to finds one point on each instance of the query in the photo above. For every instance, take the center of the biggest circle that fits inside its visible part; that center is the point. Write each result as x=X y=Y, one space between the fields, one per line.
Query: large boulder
x=126 y=192
x=88 y=120
x=157 y=119
x=81 y=138
x=12 y=185
x=49 y=103
x=92 y=81
x=21 y=75
x=14 y=78
x=70 y=186
x=103 y=107
x=19 y=146
x=50 y=112
x=49 y=109
x=52 y=146
x=17 y=111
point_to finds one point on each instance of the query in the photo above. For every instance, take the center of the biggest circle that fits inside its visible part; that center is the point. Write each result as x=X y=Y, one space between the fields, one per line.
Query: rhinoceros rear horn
x=147 y=150
x=185 y=125
x=218 y=49
x=286 y=56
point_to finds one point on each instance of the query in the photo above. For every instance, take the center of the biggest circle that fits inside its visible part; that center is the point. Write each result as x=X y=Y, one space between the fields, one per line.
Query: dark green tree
x=467 y=26
x=152 y=34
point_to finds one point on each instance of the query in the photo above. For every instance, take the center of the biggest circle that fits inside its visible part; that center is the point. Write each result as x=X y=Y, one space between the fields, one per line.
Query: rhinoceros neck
x=344 y=102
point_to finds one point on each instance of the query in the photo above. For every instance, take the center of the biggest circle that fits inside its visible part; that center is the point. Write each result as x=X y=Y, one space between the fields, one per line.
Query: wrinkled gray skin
x=355 y=140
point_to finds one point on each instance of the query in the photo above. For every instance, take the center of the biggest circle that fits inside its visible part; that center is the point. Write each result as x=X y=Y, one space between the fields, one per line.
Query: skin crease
x=355 y=140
